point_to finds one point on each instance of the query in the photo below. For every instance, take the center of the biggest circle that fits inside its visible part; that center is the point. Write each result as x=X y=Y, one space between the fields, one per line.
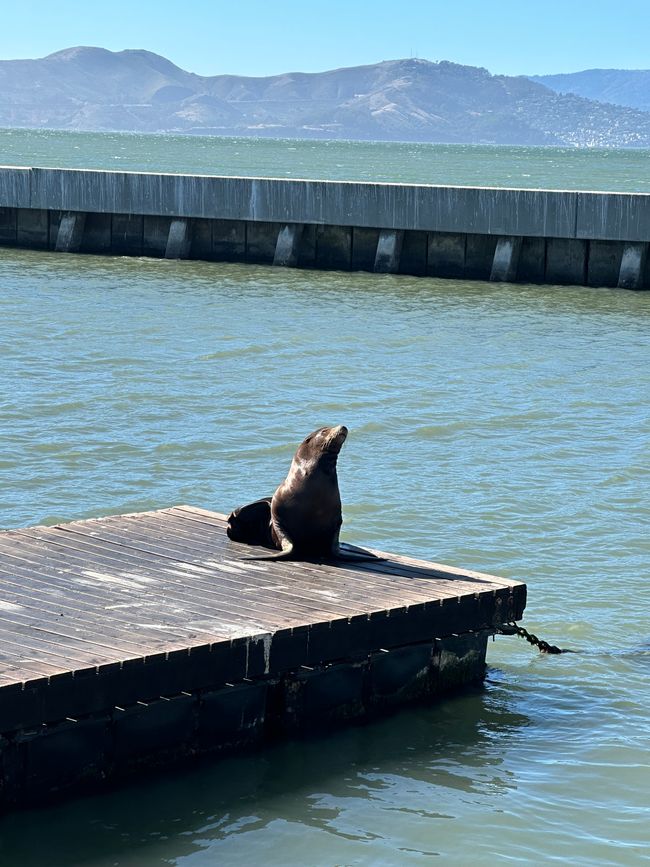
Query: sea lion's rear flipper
x=251 y=524
x=351 y=554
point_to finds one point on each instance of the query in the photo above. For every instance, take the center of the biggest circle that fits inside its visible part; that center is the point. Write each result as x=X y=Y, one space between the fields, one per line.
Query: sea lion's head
x=326 y=441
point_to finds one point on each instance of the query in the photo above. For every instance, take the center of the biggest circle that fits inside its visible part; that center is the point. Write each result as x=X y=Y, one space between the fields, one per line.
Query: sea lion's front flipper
x=350 y=554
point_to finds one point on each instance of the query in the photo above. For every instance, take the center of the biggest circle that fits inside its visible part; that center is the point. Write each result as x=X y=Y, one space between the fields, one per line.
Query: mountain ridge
x=90 y=88
x=626 y=87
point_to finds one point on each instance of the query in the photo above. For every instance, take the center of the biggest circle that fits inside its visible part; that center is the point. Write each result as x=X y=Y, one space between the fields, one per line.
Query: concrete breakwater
x=537 y=236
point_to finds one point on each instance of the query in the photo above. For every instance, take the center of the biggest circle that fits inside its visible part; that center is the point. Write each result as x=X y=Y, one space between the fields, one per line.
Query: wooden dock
x=138 y=639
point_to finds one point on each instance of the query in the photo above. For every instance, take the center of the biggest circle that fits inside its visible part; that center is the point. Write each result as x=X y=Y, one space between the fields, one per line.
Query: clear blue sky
x=265 y=37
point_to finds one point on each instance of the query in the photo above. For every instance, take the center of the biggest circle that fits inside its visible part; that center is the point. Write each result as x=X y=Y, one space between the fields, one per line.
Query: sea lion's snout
x=336 y=438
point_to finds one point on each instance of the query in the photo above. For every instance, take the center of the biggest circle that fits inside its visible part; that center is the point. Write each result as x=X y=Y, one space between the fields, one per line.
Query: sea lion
x=251 y=524
x=304 y=514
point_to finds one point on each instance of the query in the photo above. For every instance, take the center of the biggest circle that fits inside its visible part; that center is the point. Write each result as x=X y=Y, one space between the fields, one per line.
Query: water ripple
x=501 y=428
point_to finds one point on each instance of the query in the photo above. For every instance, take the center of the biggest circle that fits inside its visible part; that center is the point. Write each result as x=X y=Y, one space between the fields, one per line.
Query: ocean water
x=405 y=162
x=496 y=427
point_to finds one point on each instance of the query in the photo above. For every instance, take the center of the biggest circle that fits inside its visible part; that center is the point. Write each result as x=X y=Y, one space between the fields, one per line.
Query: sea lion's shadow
x=384 y=564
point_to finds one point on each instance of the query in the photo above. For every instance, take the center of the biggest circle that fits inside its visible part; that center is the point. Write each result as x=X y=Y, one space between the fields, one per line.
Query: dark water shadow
x=453 y=744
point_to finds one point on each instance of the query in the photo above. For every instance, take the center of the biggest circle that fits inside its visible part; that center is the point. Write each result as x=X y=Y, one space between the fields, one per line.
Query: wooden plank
x=27 y=669
x=178 y=629
x=277 y=569
x=407 y=570
x=91 y=589
x=421 y=566
x=239 y=576
x=192 y=586
x=365 y=578
x=181 y=637
x=214 y=590
x=370 y=573
x=106 y=631
x=41 y=642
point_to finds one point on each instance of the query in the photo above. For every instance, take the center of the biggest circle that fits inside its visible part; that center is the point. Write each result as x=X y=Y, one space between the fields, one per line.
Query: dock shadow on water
x=358 y=793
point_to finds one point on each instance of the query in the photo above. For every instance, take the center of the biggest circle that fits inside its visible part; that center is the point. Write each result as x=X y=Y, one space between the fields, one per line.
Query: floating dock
x=139 y=640
x=472 y=233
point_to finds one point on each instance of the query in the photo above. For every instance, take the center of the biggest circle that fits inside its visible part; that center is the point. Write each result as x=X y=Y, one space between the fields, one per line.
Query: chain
x=543 y=646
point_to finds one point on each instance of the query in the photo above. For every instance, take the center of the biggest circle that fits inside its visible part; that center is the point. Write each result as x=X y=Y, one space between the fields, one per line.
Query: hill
x=413 y=100
x=629 y=87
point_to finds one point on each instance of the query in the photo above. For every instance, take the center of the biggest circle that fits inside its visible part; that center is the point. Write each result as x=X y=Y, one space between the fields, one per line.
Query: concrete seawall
x=541 y=236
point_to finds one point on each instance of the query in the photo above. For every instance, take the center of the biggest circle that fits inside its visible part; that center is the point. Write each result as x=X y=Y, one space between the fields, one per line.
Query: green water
x=503 y=428
x=406 y=162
